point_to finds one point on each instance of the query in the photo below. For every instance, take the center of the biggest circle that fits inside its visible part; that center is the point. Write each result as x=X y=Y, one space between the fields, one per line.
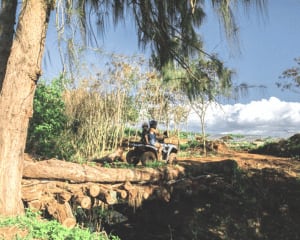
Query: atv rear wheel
x=133 y=157
x=148 y=157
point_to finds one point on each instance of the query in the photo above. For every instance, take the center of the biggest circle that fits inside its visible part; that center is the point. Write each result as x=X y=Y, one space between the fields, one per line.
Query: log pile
x=59 y=187
x=60 y=199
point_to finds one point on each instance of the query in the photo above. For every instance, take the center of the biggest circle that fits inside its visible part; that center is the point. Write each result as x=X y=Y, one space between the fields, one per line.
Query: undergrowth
x=52 y=230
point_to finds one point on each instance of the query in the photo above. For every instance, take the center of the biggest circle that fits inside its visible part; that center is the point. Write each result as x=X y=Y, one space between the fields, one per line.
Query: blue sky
x=268 y=46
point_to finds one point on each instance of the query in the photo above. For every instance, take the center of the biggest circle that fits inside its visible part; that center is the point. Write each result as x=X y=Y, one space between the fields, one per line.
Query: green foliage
x=48 y=120
x=205 y=79
x=242 y=145
x=155 y=164
x=128 y=131
x=100 y=108
x=51 y=230
x=283 y=148
x=194 y=144
x=290 y=78
x=186 y=135
x=236 y=135
x=183 y=146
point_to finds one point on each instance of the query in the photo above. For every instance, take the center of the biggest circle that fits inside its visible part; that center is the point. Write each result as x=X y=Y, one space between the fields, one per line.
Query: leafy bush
x=48 y=120
x=194 y=144
x=283 y=148
x=37 y=229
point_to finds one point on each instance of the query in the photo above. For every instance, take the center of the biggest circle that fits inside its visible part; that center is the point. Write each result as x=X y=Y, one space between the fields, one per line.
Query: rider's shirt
x=152 y=136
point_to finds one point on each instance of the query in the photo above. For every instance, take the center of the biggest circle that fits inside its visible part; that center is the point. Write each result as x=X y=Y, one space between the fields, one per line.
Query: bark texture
x=7 y=22
x=61 y=170
x=22 y=72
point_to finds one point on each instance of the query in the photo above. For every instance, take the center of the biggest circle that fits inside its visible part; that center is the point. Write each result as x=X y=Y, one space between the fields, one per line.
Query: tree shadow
x=226 y=203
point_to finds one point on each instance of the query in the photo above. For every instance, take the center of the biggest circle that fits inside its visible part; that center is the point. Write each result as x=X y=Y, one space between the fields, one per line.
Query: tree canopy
x=290 y=78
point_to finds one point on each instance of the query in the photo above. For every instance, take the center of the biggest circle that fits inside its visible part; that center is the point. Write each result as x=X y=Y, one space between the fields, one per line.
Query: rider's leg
x=159 y=147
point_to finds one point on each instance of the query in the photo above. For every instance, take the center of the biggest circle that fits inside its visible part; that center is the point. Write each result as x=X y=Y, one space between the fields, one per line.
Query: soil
x=259 y=200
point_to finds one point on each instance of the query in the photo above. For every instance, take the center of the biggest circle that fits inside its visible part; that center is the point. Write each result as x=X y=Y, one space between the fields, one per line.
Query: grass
x=35 y=228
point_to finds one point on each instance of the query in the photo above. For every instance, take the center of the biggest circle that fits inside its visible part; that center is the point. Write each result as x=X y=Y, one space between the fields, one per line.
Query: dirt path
x=260 y=202
x=253 y=161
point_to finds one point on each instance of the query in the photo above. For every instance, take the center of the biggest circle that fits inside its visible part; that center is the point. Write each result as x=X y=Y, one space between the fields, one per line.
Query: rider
x=153 y=132
x=145 y=132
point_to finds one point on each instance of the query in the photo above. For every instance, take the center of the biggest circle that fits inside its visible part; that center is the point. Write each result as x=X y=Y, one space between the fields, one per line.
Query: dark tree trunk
x=16 y=98
x=7 y=22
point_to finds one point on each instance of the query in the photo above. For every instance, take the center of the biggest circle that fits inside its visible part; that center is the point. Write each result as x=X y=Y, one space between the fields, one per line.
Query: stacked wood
x=60 y=187
x=58 y=197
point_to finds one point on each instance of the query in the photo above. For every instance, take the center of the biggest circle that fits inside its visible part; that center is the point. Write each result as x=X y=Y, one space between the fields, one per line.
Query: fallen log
x=84 y=201
x=62 y=212
x=61 y=170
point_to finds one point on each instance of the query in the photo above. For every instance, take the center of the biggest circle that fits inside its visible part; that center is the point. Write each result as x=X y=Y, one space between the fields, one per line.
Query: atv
x=146 y=153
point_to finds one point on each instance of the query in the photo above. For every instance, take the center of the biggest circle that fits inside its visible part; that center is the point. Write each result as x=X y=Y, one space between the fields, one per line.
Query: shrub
x=38 y=229
x=48 y=120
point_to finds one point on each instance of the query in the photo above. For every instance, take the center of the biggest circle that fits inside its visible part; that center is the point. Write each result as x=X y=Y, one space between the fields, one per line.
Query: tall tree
x=22 y=72
x=168 y=26
x=7 y=23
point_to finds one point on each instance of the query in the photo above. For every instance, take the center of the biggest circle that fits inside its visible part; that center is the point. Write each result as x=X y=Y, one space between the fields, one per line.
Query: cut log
x=122 y=193
x=108 y=196
x=127 y=186
x=94 y=190
x=148 y=191
x=63 y=196
x=135 y=197
x=84 y=201
x=51 y=206
x=32 y=193
x=35 y=205
x=65 y=215
x=61 y=170
x=61 y=212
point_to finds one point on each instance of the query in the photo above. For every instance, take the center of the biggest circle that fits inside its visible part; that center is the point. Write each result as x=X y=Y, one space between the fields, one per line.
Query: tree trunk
x=22 y=72
x=7 y=22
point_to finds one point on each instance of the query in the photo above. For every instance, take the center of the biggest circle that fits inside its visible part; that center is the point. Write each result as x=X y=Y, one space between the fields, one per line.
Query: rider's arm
x=146 y=138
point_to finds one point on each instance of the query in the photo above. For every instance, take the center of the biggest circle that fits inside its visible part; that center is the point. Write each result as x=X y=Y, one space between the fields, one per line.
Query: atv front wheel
x=172 y=158
x=133 y=157
x=148 y=157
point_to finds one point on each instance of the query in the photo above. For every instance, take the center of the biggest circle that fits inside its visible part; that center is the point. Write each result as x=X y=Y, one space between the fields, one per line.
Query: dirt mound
x=219 y=146
x=283 y=148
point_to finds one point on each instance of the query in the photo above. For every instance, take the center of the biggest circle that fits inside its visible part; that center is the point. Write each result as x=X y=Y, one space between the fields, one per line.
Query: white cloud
x=267 y=117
